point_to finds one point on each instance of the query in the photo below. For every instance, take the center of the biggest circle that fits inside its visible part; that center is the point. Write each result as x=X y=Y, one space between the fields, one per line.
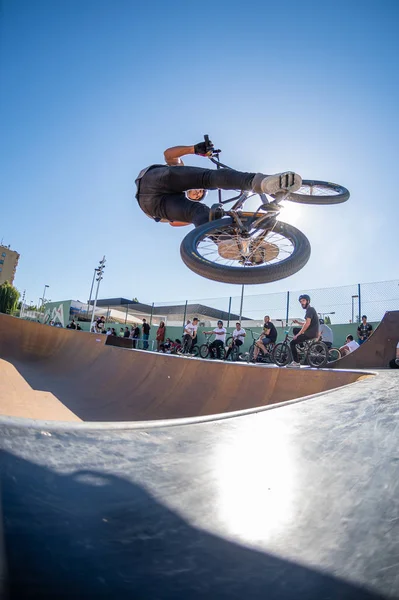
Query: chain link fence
x=339 y=305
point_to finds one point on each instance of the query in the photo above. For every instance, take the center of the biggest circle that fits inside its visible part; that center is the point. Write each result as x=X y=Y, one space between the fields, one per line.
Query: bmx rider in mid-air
x=173 y=192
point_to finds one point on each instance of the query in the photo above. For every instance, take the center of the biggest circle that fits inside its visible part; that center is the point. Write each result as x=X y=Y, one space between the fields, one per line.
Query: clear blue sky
x=94 y=90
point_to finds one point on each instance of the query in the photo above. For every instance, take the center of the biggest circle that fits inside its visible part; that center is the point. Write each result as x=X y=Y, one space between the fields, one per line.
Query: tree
x=9 y=296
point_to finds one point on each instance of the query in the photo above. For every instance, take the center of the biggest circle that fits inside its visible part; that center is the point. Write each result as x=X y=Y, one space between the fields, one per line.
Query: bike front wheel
x=221 y=251
x=204 y=351
x=319 y=192
x=333 y=354
x=317 y=355
x=281 y=355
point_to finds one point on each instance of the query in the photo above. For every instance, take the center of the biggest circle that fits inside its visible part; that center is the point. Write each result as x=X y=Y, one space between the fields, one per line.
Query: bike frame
x=257 y=219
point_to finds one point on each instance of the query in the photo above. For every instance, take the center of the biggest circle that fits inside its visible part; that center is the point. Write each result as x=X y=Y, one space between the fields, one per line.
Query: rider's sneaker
x=293 y=365
x=272 y=184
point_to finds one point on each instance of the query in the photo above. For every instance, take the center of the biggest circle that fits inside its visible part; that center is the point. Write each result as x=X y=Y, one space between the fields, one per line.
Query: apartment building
x=8 y=264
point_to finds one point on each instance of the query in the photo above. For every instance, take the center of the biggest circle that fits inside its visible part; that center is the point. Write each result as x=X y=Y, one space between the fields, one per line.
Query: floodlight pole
x=100 y=271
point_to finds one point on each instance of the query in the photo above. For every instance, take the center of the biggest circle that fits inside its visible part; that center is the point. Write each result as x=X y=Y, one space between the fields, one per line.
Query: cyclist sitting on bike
x=173 y=191
x=220 y=338
x=268 y=336
x=238 y=339
x=308 y=331
x=325 y=334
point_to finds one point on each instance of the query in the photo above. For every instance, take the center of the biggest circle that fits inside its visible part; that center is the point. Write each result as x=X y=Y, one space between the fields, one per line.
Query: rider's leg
x=293 y=344
x=164 y=180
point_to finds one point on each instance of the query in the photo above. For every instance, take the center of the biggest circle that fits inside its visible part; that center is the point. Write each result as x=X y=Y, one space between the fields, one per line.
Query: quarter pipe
x=55 y=374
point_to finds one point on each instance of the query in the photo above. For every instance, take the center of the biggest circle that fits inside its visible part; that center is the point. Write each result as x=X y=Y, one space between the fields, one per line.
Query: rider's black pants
x=216 y=346
x=293 y=344
x=161 y=191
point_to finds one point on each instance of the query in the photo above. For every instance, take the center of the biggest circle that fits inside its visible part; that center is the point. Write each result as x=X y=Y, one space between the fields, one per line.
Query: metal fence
x=345 y=304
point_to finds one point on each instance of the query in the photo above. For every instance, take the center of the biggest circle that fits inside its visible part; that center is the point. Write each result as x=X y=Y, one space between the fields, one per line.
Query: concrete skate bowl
x=51 y=374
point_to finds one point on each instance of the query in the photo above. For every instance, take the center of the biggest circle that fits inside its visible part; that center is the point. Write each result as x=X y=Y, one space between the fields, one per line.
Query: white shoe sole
x=282 y=182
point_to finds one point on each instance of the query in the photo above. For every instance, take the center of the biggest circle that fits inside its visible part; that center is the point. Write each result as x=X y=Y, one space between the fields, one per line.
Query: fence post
x=287 y=314
x=184 y=316
x=360 y=303
x=229 y=311
x=242 y=301
x=152 y=310
x=127 y=312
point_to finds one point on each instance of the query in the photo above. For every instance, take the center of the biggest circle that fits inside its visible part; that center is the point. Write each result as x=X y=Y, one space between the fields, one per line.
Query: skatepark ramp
x=378 y=350
x=56 y=374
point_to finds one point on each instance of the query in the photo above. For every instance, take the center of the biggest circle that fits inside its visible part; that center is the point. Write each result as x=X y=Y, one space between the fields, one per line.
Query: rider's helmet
x=304 y=297
x=321 y=321
x=204 y=194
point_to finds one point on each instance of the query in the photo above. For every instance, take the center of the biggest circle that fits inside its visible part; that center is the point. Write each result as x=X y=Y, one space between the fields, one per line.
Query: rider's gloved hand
x=204 y=148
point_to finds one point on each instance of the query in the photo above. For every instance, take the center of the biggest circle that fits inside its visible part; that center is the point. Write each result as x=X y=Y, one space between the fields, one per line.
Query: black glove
x=204 y=148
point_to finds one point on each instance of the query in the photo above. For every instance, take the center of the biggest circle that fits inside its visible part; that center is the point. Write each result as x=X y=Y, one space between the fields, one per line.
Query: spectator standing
x=216 y=346
x=326 y=334
x=349 y=346
x=135 y=335
x=364 y=330
x=238 y=339
x=146 y=334
x=160 y=337
x=308 y=331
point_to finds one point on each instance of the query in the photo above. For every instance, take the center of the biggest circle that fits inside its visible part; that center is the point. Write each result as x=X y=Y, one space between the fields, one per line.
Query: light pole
x=353 y=308
x=91 y=290
x=21 y=312
x=44 y=295
x=100 y=273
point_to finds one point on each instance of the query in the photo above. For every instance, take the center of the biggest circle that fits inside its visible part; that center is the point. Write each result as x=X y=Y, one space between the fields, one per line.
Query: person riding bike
x=173 y=192
x=268 y=336
x=239 y=334
x=308 y=331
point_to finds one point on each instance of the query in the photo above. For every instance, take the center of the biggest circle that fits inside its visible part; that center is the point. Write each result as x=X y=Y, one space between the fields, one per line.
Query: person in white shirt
x=219 y=341
x=350 y=345
x=238 y=339
x=190 y=332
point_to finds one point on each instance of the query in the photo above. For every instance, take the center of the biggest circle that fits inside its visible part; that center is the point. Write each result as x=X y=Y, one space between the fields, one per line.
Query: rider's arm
x=173 y=155
x=305 y=326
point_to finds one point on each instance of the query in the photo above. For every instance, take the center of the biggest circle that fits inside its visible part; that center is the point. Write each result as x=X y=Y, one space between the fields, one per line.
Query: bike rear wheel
x=281 y=355
x=220 y=251
x=317 y=355
x=319 y=192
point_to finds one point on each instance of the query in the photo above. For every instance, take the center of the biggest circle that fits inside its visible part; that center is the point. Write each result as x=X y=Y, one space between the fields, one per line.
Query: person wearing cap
x=308 y=331
x=364 y=330
x=220 y=339
x=325 y=334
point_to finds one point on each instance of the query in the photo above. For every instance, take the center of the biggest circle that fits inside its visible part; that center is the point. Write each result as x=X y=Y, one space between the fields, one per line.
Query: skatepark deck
x=63 y=375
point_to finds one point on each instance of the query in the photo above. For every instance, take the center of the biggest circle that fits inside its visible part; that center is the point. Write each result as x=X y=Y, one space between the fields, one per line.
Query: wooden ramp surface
x=65 y=375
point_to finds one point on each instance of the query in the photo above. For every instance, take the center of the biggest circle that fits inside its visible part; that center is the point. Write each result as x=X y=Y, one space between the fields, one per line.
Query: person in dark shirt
x=146 y=334
x=364 y=330
x=126 y=333
x=308 y=331
x=268 y=336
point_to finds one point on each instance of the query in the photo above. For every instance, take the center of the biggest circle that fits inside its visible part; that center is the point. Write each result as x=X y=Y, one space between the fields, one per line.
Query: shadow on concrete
x=92 y=535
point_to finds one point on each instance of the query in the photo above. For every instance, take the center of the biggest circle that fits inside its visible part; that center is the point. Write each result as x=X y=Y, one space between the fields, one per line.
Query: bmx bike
x=239 y=246
x=312 y=352
x=206 y=352
x=262 y=358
